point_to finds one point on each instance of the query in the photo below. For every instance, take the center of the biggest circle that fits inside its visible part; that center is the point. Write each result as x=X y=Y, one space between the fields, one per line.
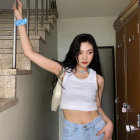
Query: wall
x=100 y=27
x=31 y=118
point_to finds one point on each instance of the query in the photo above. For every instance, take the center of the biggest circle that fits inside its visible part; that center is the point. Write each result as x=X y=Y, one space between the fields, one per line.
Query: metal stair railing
x=28 y=7
x=14 y=42
x=50 y=8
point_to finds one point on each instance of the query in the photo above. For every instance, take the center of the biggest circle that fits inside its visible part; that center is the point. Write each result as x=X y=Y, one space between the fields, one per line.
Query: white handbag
x=57 y=93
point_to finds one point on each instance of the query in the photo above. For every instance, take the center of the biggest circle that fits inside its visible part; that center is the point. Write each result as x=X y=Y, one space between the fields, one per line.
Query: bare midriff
x=80 y=117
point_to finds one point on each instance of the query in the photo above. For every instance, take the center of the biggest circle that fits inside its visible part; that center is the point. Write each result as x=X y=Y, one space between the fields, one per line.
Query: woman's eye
x=90 y=52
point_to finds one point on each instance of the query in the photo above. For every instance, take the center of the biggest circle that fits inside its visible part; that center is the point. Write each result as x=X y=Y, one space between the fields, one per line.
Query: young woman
x=83 y=85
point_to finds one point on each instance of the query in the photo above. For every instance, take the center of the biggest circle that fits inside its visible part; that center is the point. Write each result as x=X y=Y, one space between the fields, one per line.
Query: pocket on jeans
x=68 y=131
x=99 y=125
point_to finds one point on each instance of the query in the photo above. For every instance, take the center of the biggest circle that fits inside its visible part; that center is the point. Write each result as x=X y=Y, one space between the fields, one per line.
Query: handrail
x=46 y=9
x=42 y=12
x=53 y=6
x=27 y=7
x=36 y=16
x=14 y=43
x=50 y=7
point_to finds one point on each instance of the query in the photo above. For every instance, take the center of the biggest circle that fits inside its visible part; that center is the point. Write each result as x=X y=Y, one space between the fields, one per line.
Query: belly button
x=85 y=126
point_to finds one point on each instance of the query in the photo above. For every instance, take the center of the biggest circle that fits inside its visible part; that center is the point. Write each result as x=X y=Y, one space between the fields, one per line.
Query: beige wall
x=100 y=27
x=31 y=118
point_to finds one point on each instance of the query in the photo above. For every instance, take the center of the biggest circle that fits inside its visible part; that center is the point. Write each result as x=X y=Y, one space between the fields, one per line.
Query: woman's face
x=85 y=55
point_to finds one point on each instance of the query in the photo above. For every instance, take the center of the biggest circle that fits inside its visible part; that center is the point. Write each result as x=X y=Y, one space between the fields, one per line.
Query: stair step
x=7 y=25
x=22 y=62
x=7 y=86
x=31 y=28
x=6 y=44
x=30 y=13
x=10 y=72
x=10 y=33
x=50 y=14
x=41 y=30
x=8 y=82
x=6 y=103
x=33 y=37
x=24 y=11
x=19 y=50
x=32 y=20
x=31 y=16
x=50 y=20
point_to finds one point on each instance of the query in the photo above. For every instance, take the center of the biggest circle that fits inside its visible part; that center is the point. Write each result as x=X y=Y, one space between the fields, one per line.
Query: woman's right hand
x=18 y=10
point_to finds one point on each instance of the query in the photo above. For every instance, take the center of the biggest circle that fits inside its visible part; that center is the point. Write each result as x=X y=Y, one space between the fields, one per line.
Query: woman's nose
x=84 y=56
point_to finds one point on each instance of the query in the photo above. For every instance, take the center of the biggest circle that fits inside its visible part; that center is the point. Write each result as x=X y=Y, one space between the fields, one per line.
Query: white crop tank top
x=79 y=94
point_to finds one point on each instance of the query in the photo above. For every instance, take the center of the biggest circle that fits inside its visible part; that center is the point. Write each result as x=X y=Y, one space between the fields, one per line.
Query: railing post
x=46 y=9
x=36 y=16
x=49 y=7
x=28 y=8
x=52 y=7
x=55 y=8
x=42 y=12
x=14 y=43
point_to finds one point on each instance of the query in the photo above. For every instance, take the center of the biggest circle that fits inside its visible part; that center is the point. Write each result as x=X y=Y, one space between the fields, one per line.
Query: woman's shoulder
x=100 y=79
x=67 y=71
x=97 y=75
x=92 y=70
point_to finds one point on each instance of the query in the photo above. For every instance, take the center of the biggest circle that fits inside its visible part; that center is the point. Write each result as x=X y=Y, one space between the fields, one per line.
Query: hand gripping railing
x=50 y=8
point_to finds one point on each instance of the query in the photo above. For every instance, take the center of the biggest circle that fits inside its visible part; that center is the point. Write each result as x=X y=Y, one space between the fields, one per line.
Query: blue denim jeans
x=74 y=131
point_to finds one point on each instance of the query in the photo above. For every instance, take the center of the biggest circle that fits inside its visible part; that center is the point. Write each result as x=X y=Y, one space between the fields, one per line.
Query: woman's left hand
x=107 y=130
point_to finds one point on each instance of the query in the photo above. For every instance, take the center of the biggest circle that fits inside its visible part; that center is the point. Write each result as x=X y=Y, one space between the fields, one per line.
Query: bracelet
x=21 y=22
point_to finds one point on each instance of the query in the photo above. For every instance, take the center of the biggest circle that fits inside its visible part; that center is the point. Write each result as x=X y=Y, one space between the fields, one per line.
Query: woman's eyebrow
x=87 y=50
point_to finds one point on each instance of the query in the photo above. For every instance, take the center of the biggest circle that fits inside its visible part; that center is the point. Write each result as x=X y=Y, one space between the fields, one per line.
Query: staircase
x=23 y=64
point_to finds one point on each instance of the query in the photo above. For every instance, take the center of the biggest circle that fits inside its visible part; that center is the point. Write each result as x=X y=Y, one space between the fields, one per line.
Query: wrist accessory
x=21 y=22
x=57 y=93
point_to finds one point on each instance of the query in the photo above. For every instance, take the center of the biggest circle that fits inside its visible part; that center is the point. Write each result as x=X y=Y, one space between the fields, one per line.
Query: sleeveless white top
x=79 y=94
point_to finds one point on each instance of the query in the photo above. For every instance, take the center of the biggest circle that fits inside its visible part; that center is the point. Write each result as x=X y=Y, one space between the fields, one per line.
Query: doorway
x=106 y=54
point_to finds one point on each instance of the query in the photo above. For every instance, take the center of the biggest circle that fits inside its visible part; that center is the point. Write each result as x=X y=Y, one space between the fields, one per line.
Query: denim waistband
x=90 y=124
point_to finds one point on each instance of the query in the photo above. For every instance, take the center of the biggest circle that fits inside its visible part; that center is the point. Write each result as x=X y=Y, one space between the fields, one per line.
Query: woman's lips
x=84 y=62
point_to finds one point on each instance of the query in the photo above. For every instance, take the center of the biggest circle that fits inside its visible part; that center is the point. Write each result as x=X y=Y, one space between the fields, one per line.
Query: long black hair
x=70 y=60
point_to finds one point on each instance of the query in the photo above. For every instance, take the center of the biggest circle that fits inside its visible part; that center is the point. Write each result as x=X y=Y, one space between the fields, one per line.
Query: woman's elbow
x=99 y=107
x=28 y=54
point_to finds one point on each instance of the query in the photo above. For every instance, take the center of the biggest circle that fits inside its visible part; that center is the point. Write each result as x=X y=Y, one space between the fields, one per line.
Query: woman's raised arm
x=40 y=60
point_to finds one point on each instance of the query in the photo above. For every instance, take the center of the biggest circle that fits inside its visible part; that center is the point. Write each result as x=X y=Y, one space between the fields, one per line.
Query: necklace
x=82 y=71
